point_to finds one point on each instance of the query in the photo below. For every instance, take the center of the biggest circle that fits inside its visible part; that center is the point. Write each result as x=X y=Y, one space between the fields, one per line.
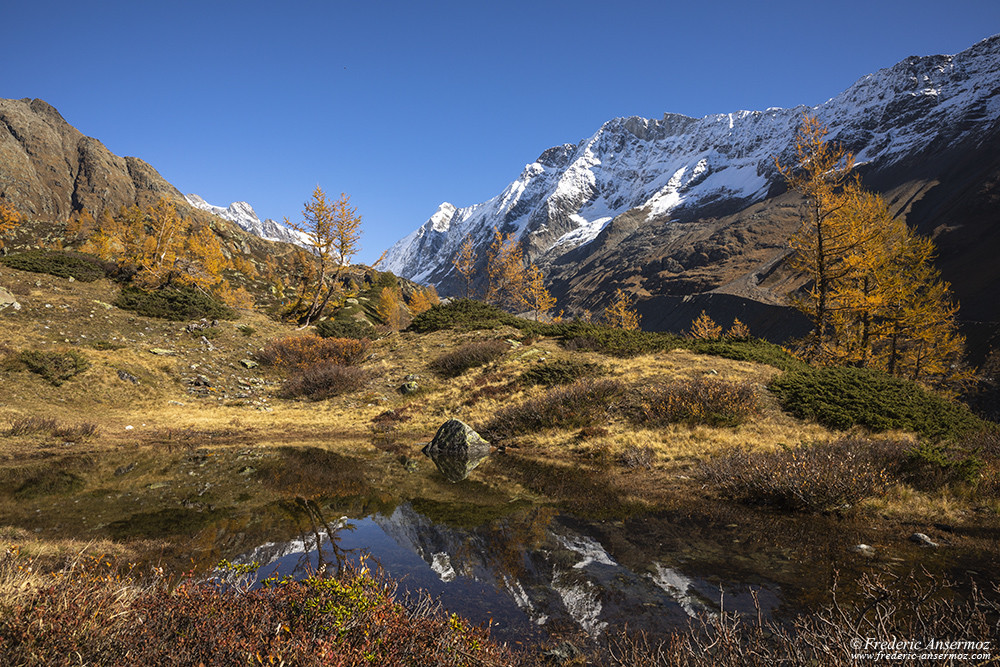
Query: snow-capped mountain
x=681 y=170
x=242 y=213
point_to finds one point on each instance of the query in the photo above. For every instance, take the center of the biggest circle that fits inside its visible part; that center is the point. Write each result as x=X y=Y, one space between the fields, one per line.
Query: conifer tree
x=9 y=220
x=875 y=297
x=705 y=328
x=422 y=300
x=389 y=308
x=333 y=233
x=465 y=263
x=738 y=330
x=536 y=297
x=820 y=170
x=621 y=313
x=505 y=272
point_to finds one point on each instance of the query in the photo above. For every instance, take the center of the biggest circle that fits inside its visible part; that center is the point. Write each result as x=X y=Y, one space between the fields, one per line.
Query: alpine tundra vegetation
x=223 y=441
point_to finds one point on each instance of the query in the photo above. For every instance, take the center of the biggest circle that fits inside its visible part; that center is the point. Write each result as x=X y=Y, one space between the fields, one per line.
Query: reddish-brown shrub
x=301 y=351
x=469 y=356
x=698 y=401
x=93 y=615
x=322 y=380
x=583 y=403
x=821 y=477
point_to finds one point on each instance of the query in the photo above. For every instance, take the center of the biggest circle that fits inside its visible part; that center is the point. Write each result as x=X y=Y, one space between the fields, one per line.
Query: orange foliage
x=302 y=351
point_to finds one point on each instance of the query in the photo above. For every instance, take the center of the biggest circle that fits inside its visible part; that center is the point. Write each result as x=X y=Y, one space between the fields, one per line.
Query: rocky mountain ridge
x=682 y=207
x=242 y=213
x=50 y=169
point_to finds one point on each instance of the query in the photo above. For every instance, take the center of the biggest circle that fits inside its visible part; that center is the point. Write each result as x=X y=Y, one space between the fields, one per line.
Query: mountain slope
x=684 y=206
x=50 y=169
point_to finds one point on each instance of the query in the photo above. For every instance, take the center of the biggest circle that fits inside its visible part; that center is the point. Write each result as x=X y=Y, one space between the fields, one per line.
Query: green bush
x=753 y=349
x=346 y=329
x=840 y=397
x=65 y=264
x=583 y=403
x=698 y=401
x=463 y=314
x=933 y=465
x=174 y=303
x=559 y=371
x=616 y=342
x=470 y=355
x=56 y=366
x=814 y=478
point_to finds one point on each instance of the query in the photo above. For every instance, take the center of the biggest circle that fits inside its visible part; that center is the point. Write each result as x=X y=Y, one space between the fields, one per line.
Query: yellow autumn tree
x=819 y=172
x=738 y=330
x=80 y=226
x=9 y=220
x=536 y=296
x=389 y=308
x=465 y=263
x=423 y=299
x=505 y=272
x=874 y=296
x=333 y=234
x=704 y=328
x=159 y=247
x=621 y=313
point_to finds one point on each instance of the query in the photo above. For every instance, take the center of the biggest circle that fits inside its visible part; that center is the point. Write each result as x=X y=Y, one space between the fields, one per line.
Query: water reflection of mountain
x=528 y=570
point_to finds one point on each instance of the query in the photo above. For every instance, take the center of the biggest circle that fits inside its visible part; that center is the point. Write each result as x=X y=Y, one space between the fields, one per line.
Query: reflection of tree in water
x=310 y=510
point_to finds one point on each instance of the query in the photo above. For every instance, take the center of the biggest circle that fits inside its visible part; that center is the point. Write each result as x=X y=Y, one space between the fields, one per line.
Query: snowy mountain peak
x=677 y=167
x=242 y=213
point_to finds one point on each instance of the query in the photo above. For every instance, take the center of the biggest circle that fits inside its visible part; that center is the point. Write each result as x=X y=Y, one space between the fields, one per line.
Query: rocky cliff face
x=684 y=207
x=50 y=169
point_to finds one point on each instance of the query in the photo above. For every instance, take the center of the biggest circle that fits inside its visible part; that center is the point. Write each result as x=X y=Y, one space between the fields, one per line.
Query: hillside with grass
x=149 y=434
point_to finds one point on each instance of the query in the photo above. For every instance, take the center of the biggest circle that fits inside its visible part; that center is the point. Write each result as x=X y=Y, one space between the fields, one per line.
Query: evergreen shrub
x=174 y=303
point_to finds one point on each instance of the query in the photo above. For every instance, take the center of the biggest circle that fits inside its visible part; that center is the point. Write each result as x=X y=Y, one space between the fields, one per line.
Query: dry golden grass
x=159 y=422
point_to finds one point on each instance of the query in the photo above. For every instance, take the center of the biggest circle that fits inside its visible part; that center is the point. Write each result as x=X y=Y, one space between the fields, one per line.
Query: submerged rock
x=456 y=450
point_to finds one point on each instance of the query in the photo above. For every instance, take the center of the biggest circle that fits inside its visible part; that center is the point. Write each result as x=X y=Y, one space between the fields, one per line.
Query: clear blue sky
x=404 y=105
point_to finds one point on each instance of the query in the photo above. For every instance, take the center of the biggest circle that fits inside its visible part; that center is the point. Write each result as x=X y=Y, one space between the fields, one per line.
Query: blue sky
x=404 y=105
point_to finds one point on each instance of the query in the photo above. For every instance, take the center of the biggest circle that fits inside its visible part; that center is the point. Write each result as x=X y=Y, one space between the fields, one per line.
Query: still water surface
x=532 y=575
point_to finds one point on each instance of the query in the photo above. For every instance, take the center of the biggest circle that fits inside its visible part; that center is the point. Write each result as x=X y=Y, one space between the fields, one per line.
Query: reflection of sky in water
x=561 y=579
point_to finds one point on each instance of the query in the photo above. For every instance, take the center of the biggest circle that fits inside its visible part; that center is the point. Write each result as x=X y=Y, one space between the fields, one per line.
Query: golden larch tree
x=536 y=296
x=738 y=330
x=9 y=220
x=621 y=313
x=423 y=299
x=505 y=272
x=704 y=328
x=819 y=172
x=465 y=263
x=333 y=234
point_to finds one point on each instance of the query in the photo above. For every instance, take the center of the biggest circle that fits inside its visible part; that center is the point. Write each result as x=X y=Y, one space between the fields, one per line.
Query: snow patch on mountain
x=242 y=213
x=675 y=165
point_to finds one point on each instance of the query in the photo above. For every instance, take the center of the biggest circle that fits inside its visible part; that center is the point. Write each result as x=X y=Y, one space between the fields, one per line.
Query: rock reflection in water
x=525 y=574
x=455 y=467
x=456 y=450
